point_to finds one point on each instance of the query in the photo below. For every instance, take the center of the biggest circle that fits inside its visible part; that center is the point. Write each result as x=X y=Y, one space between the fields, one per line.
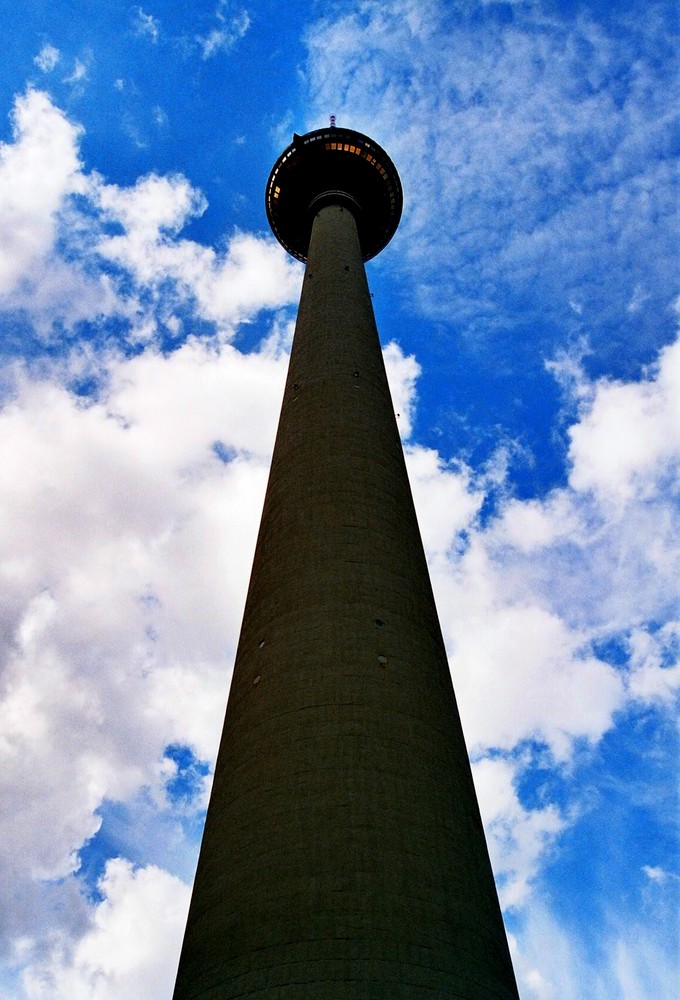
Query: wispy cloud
x=552 y=966
x=146 y=25
x=47 y=58
x=536 y=156
x=655 y=874
x=160 y=117
x=80 y=72
x=229 y=30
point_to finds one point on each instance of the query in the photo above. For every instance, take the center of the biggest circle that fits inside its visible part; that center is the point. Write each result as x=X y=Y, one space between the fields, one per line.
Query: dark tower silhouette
x=343 y=856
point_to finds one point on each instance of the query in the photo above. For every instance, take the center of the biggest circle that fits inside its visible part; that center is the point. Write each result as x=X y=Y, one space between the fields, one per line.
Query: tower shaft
x=343 y=853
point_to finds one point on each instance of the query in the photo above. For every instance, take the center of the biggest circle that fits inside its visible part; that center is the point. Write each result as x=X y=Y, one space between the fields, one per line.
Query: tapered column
x=343 y=854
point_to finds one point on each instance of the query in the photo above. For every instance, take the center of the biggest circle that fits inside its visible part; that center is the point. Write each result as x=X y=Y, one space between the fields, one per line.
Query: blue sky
x=528 y=306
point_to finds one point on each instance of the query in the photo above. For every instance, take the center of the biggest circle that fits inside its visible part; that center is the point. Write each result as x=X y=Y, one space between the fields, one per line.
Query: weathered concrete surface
x=343 y=855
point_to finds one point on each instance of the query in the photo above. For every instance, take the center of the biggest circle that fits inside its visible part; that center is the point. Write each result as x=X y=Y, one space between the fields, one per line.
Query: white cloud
x=47 y=58
x=402 y=374
x=446 y=499
x=160 y=117
x=30 y=194
x=533 y=525
x=526 y=598
x=520 y=672
x=630 y=435
x=155 y=205
x=603 y=552
x=40 y=171
x=80 y=72
x=146 y=24
x=56 y=263
x=131 y=947
x=231 y=30
x=651 y=679
x=518 y=838
x=654 y=873
x=227 y=288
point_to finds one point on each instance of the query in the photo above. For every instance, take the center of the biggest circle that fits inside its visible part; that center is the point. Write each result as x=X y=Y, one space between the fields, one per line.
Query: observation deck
x=333 y=166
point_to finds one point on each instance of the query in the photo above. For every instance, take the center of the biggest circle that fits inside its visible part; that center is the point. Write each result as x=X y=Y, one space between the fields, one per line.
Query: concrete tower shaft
x=343 y=853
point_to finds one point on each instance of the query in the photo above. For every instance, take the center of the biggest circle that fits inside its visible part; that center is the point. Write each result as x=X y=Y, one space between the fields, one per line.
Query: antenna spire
x=332 y=121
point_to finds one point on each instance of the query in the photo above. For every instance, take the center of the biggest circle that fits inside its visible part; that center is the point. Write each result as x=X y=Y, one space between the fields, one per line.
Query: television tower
x=343 y=856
